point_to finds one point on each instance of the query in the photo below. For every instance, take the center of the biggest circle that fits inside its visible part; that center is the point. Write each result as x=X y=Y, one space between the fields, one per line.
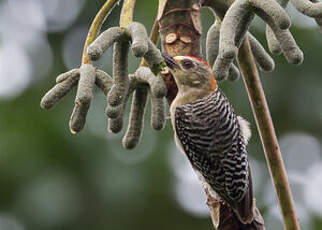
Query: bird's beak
x=171 y=63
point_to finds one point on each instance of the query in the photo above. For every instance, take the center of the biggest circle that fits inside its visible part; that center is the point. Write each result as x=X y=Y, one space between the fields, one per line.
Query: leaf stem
x=96 y=27
x=127 y=13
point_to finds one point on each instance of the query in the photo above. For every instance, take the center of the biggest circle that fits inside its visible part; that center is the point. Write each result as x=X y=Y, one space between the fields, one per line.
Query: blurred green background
x=53 y=180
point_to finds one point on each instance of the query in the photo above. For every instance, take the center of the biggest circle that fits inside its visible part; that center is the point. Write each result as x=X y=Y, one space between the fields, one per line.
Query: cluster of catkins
x=225 y=36
x=146 y=81
x=223 y=41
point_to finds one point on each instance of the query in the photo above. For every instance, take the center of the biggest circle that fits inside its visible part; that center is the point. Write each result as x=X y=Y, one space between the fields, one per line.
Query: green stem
x=96 y=27
x=127 y=13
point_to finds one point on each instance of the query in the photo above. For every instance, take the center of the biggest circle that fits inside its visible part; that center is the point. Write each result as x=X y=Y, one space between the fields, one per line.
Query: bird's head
x=191 y=72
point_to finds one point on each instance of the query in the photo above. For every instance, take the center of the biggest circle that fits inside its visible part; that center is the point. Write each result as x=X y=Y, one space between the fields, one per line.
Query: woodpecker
x=212 y=136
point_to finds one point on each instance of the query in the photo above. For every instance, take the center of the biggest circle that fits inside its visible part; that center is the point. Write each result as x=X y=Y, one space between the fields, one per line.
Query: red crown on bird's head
x=200 y=60
x=213 y=81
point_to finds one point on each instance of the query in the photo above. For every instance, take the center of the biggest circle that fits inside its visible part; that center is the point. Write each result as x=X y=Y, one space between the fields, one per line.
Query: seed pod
x=309 y=8
x=265 y=62
x=282 y=41
x=271 y=12
x=157 y=112
x=273 y=44
x=154 y=58
x=156 y=83
x=53 y=96
x=62 y=77
x=104 y=41
x=103 y=81
x=139 y=39
x=212 y=42
x=115 y=125
x=212 y=49
x=235 y=24
x=222 y=66
x=233 y=28
x=318 y=19
x=113 y=111
x=83 y=98
x=290 y=49
x=136 y=122
x=120 y=73
x=233 y=74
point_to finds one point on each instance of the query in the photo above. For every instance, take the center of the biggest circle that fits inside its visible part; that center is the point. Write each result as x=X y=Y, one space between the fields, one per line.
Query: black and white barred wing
x=211 y=136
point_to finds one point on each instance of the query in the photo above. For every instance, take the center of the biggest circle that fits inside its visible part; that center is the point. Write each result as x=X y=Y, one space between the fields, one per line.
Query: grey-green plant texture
x=52 y=179
x=227 y=39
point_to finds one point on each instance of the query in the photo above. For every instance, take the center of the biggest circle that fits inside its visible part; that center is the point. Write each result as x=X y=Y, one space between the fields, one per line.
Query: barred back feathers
x=214 y=140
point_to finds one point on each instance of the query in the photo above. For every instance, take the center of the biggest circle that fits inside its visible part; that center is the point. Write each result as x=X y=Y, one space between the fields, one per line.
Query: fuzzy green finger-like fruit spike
x=62 y=77
x=139 y=39
x=157 y=112
x=262 y=58
x=114 y=111
x=156 y=83
x=115 y=124
x=222 y=66
x=154 y=58
x=318 y=19
x=65 y=82
x=309 y=8
x=272 y=42
x=233 y=74
x=236 y=23
x=212 y=49
x=212 y=42
x=104 y=41
x=233 y=29
x=290 y=49
x=271 y=12
x=281 y=41
x=134 y=132
x=120 y=73
x=103 y=81
x=83 y=98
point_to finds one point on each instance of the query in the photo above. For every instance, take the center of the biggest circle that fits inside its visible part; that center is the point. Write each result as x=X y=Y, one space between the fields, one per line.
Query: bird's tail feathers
x=244 y=209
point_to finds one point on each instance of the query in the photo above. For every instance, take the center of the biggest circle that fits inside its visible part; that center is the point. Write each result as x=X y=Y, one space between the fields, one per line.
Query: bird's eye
x=187 y=64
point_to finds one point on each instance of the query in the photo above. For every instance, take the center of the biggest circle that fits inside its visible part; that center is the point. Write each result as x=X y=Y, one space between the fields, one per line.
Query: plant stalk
x=127 y=13
x=267 y=134
x=96 y=27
